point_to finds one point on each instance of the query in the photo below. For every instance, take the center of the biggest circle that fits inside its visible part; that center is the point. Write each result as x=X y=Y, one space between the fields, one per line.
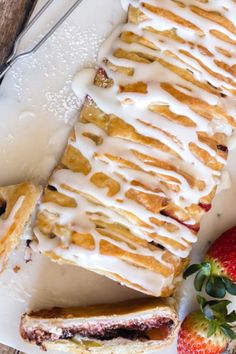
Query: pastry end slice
x=17 y=203
x=133 y=326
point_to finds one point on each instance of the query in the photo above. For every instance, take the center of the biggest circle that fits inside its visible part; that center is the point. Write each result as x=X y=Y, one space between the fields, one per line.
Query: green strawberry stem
x=210 y=274
x=216 y=313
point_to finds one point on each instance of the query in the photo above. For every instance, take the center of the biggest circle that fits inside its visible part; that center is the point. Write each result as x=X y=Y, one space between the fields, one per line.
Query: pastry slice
x=17 y=204
x=144 y=160
x=127 y=327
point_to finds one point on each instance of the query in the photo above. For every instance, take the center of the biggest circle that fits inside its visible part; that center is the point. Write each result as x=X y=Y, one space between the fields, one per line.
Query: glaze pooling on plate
x=145 y=158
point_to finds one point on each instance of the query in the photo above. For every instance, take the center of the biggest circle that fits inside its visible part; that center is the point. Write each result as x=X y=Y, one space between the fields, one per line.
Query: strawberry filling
x=222 y=148
x=192 y=227
x=205 y=207
x=133 y=329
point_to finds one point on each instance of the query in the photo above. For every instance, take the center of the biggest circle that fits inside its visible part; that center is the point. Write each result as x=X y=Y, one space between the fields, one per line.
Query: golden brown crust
x=120 y=308
x=172 y=181
x=18 y=203
x=138 y=348
x=49 y=225
x=40 y=326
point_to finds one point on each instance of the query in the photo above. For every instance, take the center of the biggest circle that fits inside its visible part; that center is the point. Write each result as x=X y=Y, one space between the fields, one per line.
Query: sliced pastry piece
x=144 y=160
x=127 y=327
x=17 y=203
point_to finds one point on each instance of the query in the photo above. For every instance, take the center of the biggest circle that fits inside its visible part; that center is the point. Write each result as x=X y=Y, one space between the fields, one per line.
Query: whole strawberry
x=207 y=331
x=218 y=268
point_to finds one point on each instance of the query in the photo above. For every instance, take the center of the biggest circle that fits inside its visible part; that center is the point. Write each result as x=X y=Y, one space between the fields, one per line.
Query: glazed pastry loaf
x=127 y=327
x=144 y=160
x=17 y=203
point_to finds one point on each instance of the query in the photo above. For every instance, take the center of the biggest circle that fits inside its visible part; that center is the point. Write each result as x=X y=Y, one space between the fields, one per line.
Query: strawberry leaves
x=228 y=332
x=217 y=275
x=231 y=317
x=203 y=271
x=207 y=330
x=199 y=280
x=211 y=329
x=191 y=270
x=219 y=306
x=202 y=302
x=216 y=313
x=229 y=285
x=215 y=285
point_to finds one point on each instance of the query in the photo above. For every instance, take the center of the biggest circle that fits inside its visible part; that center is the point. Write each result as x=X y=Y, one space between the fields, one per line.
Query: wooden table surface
x=13 y=14
x=7 y=350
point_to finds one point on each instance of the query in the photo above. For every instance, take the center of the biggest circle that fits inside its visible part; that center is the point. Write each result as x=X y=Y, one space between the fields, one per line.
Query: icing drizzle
x=168 y=109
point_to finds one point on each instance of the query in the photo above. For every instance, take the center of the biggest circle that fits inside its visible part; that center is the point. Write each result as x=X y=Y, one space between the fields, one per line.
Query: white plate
x=38 y=109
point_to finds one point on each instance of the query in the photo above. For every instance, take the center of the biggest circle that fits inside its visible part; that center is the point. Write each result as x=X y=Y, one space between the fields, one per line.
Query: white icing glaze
x=225 y=182
x=232 y=142
x=82 y=80
x=204 y=74
x=5 y=224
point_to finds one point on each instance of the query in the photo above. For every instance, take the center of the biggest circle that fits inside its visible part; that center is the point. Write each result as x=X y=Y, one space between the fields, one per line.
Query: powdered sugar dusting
x=68 y=54
x=41 y=85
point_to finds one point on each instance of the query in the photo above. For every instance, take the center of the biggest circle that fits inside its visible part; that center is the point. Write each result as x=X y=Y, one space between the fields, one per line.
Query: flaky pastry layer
x=17 y=203
x=144 y=160
x=133 y=326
